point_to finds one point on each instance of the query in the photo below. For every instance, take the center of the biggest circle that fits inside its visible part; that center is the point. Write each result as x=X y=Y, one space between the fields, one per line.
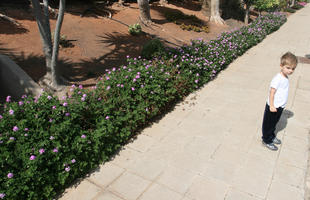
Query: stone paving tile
x=126 y=157
x=157 y=131
x=221 y=170
x=283 y=191
x=147 y=167
x=289 y=175
x=106 y=195
x=129 y=186
x=259 y=164
x=142 y=143
x=159 y=192
x=84 y=191
x=250 y=181
x=295 y=144
x=106 y=174
x=234 y=194
x=177 y=179
x=293 y=158
x=229 y=155
x=207 y=188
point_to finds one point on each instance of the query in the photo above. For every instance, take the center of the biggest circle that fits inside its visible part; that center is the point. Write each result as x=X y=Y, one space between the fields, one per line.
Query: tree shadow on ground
x=121 y=45
x=189 y=5
x=10 y=28
x=283 y=120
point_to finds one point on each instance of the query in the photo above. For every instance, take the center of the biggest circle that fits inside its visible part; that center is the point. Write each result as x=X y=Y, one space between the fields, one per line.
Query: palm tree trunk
x=205 y=8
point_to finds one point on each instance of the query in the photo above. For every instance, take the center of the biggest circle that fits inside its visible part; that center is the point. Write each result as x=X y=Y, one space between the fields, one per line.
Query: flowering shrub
x=46 y=143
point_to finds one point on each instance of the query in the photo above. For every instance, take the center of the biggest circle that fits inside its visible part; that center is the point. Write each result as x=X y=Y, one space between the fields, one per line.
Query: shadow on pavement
x=283 y=120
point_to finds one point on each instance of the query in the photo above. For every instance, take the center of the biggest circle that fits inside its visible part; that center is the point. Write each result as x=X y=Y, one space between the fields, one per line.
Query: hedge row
x=46 y=143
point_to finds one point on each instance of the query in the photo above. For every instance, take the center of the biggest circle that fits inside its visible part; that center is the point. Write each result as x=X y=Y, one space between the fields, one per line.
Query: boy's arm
x=271 y=100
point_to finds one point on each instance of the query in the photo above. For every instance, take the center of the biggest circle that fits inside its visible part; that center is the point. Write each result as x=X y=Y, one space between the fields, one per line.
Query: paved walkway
x=209 y=147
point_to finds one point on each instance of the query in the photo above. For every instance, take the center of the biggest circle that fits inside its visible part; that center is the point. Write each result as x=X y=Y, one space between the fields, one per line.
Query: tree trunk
x=247 y=11
x=293 y=3
x=144 y=8
x=55 y=71
x=51 y=79
x=215 y=12
x=46 y=40
x=205 y=8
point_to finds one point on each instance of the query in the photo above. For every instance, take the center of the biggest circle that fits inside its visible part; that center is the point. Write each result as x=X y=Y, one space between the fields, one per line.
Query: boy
x=277 y=99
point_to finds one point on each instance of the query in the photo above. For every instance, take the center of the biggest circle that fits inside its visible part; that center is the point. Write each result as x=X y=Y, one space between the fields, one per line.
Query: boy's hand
x=272 y=109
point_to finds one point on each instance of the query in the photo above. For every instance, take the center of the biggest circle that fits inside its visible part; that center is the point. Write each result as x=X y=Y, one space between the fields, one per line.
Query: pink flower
x=55 y=150
x=41 y=151
x=26 y=129
x=67 y=169
x=20 y=103
x=49 y=97
x=10 y=175
x=73 y=161
x=107 y=117
x=15 y=128
x=83 y=136
x=8 y=98
x=132 y=88
x=65 y=104
x=81 y=86
x=2 y=195
x=1 y=117
x=11 y=112
x=32 y=157
x=53 y=107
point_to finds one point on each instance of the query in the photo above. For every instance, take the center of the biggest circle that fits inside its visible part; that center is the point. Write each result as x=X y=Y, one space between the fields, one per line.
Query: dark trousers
x=269 y=124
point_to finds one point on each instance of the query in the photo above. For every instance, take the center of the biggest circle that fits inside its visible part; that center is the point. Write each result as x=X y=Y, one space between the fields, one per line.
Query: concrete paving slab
x=105 y=174
x=106 y=195
x=129 y=186
x=290 y=175
x=207 y=188
x=283 y=191
x=253 y=182
x=156 y=192
x=83 y=191
x=234 y=194
x=177 y=179
x=293 y=158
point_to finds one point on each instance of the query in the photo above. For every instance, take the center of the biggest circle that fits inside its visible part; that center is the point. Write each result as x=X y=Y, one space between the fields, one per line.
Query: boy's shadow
x=283 y=120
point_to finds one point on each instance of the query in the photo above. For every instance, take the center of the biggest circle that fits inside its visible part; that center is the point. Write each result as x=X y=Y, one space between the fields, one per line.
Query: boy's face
x=287 y=69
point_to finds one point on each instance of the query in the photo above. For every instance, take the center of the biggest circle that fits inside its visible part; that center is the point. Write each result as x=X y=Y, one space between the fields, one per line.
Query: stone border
x=14 y=81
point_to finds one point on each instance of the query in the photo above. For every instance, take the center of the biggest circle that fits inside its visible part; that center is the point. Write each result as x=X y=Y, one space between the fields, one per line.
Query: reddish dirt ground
x=98 y=43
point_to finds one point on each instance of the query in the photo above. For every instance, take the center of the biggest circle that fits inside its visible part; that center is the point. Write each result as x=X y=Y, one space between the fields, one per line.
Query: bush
x=152 y=48
x=135 y=29
x=46 y=143
x=290 y=10
x=297 y=7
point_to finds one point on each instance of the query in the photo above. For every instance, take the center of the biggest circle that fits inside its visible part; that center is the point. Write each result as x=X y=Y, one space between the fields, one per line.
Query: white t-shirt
x=281 y=84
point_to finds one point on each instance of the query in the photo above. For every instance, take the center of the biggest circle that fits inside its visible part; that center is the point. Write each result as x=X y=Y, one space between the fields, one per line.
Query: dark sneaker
x=270 y=146
x=276 y=141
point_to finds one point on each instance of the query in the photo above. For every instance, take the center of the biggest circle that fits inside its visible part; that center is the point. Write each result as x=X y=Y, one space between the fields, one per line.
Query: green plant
x=297 y=6
x=290 y=10
x=135 y=29
x=194 y=28
x=152 y=48
x=266 y=5
x=63 y=42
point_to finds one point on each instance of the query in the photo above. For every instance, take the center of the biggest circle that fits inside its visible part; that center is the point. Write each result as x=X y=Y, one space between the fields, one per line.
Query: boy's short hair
x=289 y=59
